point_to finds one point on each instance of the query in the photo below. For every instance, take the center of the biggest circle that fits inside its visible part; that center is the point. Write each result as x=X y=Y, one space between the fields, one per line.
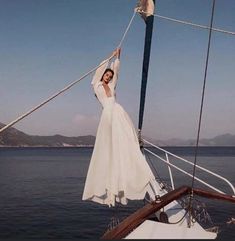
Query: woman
x=118 y=170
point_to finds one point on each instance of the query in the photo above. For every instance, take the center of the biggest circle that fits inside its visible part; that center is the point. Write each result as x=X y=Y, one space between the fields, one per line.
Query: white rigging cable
x=50 y=98
x=190 y=23
x=68 y=86
x=127 y=29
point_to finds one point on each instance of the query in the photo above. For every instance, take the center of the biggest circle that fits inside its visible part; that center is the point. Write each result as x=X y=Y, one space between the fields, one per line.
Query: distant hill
x=221 y=140
x=14 y=137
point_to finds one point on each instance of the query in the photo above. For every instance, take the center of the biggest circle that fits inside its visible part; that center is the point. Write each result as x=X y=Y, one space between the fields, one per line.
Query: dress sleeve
x=115 y=67
x=99 y=72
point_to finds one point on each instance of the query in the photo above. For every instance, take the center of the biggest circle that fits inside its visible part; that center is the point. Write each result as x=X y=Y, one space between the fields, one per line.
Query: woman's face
x=107 y=77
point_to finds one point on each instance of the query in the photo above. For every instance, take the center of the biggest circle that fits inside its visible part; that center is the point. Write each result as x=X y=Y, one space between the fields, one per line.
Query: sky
x=45 y=45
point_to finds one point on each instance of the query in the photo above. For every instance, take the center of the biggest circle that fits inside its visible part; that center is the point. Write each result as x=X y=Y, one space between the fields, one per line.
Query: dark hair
x=107 y=70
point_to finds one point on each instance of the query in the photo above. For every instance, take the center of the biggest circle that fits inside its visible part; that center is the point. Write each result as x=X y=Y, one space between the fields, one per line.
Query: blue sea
x=41 y=192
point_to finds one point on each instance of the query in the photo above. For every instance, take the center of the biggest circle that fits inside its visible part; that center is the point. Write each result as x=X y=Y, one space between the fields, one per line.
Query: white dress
x=118 y=170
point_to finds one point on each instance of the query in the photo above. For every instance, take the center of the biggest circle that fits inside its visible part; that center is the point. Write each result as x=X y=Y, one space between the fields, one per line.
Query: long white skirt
x=118 y=170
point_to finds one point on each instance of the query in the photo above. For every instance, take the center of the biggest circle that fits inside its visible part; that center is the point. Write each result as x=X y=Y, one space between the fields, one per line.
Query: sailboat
x=174 y=212
x=168 y=216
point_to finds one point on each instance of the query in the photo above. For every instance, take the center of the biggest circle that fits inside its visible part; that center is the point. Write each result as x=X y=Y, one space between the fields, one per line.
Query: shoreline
x=91 y=146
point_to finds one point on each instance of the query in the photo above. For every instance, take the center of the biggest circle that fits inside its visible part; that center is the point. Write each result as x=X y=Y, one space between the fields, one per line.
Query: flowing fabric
x=118 y=170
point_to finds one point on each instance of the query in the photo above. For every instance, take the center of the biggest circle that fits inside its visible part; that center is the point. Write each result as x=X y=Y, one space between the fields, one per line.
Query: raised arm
x=115 y=66
x=100 y=71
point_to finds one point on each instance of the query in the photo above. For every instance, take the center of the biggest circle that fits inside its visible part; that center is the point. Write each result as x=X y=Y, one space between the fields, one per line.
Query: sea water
x=41 y=192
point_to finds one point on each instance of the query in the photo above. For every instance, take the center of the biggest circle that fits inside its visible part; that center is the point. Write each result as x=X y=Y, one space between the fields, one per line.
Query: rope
x=192 y=24
x=50 y=98
x=68 y=86
x=195 y=25
x=127 y=29
x=202 y=99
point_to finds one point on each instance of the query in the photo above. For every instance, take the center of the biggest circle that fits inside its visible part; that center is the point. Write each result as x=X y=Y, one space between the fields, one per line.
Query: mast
x=146 y=9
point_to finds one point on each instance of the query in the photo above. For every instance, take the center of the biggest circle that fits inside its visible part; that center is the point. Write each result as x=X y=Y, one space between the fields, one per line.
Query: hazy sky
x=47 y=44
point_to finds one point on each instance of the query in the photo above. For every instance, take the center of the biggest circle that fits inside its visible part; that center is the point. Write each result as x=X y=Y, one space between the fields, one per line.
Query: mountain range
x=14 y=137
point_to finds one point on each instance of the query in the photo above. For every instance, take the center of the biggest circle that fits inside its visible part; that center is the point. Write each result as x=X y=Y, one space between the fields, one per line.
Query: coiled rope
x=68 y=86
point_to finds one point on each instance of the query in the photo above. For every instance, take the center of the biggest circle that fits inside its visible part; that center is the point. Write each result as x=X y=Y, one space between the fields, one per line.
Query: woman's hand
x=116 y=53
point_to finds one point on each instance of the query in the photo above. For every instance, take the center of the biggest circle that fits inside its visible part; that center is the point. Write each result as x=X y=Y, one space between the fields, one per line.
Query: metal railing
x=167 y=161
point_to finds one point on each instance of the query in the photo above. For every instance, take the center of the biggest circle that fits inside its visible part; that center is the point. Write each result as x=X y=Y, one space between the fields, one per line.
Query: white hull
x=150 y=229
